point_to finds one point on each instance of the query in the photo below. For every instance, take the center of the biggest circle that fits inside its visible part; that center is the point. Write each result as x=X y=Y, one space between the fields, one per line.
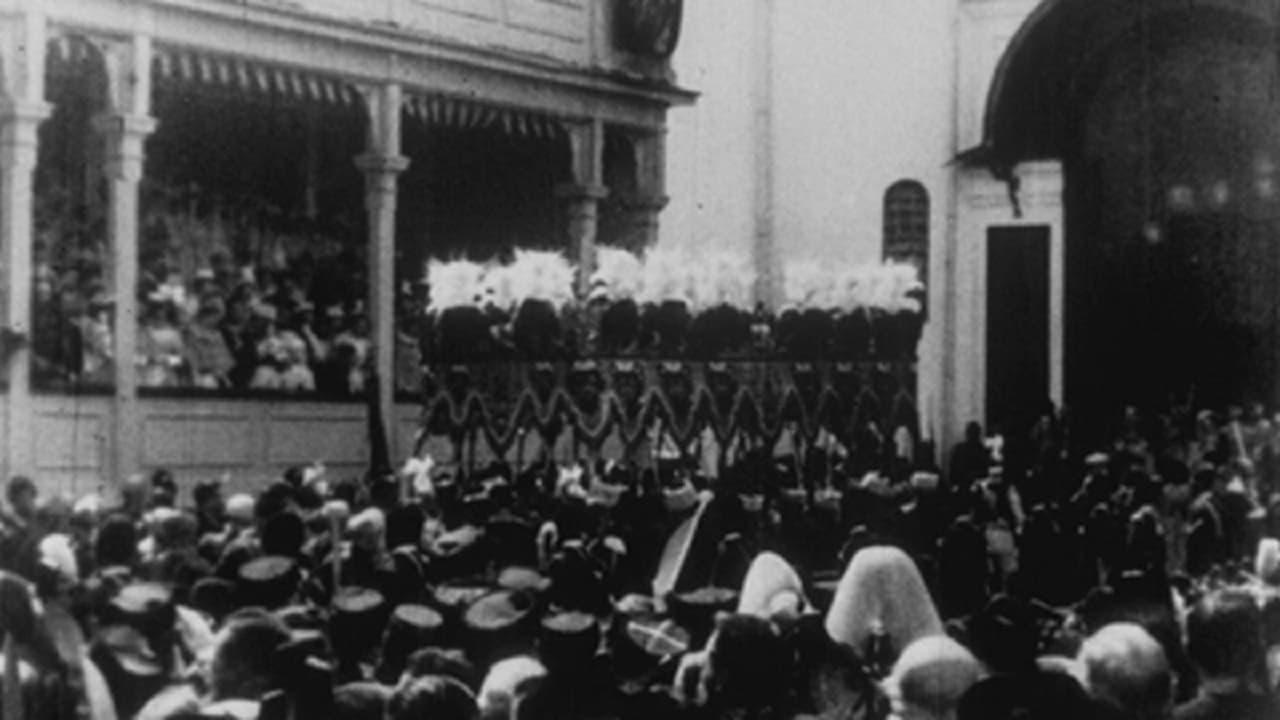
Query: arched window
x=906 y=225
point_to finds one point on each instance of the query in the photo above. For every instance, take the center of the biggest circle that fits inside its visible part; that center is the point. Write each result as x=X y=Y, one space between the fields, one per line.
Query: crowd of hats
x=793 y=583
x=671 y=302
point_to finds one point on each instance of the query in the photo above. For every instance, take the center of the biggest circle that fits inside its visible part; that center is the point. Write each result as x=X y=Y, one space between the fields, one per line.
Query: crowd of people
x=225 y=327
x=1140 y=581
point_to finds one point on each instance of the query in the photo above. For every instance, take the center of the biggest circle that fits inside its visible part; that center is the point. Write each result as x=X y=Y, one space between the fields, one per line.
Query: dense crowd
x=1139 y=581
x=295 y=326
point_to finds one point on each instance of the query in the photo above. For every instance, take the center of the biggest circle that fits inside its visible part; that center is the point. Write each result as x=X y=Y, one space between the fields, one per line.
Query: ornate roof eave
x=376 y=53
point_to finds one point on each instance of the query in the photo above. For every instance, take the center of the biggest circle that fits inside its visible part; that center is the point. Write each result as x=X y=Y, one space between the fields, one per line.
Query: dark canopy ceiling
x=1054 y=65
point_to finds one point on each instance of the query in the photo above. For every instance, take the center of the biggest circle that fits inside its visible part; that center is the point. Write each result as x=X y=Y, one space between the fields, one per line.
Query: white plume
x=723 y=278
x=619 y=274
x=669 y=274
x=541 y=275
x=456 y=283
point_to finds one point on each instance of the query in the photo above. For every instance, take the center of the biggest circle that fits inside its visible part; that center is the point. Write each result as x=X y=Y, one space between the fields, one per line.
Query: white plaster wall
x=862 y=97
x=860 y=94
x=712 y=147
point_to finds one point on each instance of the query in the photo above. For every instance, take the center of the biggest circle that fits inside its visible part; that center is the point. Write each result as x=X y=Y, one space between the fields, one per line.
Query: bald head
x=1126 y=669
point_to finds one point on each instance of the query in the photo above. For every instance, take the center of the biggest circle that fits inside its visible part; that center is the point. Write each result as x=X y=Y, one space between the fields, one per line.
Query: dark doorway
x=1017 y=324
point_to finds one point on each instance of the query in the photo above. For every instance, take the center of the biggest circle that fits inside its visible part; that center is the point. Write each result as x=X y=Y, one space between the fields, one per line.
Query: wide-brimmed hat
x=458 y=553
x=357 y=620
x=521 y=578
x=145 y=606
x=452 y=600
x=411 y=627
x=644 y=647
x=302 y=617
x=213 y=596
x=511 y=539
x=129 y=665
x=568 y=640
x=270 y=581
x=499 y=625
x=696 y=610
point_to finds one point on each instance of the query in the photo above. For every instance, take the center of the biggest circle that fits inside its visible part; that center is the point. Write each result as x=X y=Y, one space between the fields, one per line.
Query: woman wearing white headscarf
x=771 y=588
x=881 y=594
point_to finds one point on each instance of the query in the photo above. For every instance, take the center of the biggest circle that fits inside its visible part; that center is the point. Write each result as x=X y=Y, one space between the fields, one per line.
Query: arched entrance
x=1162 y=114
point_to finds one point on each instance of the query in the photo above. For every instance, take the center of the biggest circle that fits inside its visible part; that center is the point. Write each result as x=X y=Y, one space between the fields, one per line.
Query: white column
x=22 y=109
x=764 y=248
x=382 y=164
x=582 y=196
x=125 y=126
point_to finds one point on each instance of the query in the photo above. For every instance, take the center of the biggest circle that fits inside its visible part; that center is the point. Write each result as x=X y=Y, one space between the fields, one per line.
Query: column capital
x=124 y=126
x=19 y=129
x=125 y=135
x=24 y=111
x=579 y=191
x=643 y=203
x=380 y=164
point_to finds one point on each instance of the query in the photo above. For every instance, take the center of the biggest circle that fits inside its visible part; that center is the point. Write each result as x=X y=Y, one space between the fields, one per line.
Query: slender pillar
x=382 y=164
x=582 y=196
x=764 y=248
x=19 y=123
x=22 y=109
x=125 y=127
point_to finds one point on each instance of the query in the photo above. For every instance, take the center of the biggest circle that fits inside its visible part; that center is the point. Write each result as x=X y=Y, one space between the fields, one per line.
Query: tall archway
x=1160 y=112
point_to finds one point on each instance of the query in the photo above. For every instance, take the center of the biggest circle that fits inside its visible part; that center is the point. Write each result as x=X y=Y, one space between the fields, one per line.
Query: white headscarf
x=882 y=588
x=57 y=554
x=769 y=580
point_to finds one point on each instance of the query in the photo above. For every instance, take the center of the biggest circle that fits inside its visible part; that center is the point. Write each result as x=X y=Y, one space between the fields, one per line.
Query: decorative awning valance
x=70 y=49
x=445 y=111
x=597 y=398
x=184 y=65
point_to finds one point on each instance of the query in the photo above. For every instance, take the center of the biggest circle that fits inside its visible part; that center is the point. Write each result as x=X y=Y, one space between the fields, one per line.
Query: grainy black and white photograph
x=640 y=359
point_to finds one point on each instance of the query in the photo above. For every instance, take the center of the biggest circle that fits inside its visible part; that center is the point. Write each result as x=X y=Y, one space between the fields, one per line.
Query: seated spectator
x=209 y=357
x=296 y=375
x=161 y=349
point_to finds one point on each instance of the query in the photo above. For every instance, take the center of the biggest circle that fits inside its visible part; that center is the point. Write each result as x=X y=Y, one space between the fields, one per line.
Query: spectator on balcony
x=316 y=340
x=96 y=340
x=273 y=362
x=352 y=344
x=207 y=352
x=161 y=351
x=57 y=344
x=296 y=375
x=235 y=328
